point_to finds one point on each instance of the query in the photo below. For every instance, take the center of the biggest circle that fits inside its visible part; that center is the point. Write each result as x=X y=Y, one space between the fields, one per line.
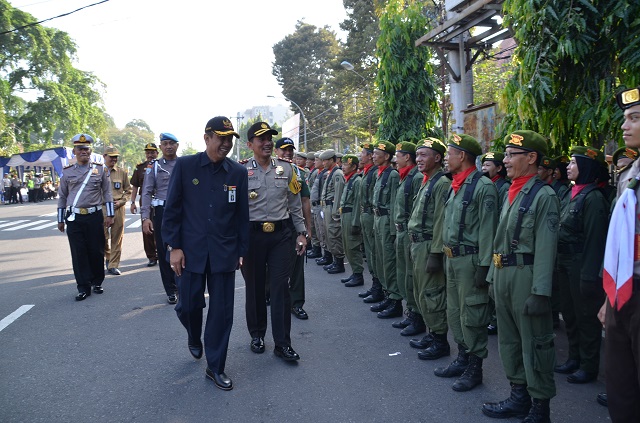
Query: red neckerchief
x=602 y=184
x=366 y=168
x=495 y=178
x=425 y=178
x=405 y=171
x=347 y=177
x=381 y=169
x=516 y=186
x=459 y=178
x=576 y=189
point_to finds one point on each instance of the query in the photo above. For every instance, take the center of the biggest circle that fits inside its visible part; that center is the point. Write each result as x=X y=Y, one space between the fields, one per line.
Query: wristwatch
x=169 y=248
x=304 y=234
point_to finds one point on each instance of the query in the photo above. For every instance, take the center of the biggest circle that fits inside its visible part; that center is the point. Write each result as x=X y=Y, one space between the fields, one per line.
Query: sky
x=176 y=64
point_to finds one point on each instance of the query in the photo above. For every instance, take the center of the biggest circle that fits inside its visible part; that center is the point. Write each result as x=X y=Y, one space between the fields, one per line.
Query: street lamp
x=348 y=66
x=304 y=119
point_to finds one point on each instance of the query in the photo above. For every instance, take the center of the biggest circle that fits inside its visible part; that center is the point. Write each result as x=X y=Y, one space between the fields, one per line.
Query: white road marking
x=46 y=225
x=136 y=224
x=12 y=223
x=14 y=316
x=55 y=213
x=26 y=225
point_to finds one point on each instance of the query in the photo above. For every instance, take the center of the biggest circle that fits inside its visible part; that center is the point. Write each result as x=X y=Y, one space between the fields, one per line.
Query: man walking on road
x=120 y=190
x=137 y=180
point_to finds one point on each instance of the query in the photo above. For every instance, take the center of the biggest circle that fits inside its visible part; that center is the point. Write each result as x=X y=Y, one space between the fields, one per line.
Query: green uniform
x=526 y=342
x=502 y=185
x=384 y=194
x=581 y=241
x=425 y=232
x=311 y=178
x=330 y=202
x=467 y=249
x=296 y=282
x=316 y=208
x=350 y=218
x=407 y=190
x=366 y=217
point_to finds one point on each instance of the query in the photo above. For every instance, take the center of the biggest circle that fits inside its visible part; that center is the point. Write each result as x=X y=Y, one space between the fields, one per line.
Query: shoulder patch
x=244 y=161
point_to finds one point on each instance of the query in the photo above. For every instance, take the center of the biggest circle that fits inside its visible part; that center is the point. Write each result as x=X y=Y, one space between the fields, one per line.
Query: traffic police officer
x=410 y=180
x=425 y=232
x=154 y=194
x=521 y=270
x=83 y=188
x=383 y=198
x=350 y=220
x=471 y=216
x=137 y=179
x=121 y=190
x=273 y=197
x=206 y=230
x=330 y=201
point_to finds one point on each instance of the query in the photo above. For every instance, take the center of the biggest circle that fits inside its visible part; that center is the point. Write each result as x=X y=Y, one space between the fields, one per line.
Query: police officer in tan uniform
x=137 y=179
x=84 y=186
x=121 y=191
x=273 y=198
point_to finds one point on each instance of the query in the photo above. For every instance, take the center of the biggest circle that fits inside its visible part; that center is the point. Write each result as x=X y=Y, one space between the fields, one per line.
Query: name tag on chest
x=232 y=193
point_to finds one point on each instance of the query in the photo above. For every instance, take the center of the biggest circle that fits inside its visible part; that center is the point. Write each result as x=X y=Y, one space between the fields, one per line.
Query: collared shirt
x=96 y=192
x=156 y=184
x=121 y=188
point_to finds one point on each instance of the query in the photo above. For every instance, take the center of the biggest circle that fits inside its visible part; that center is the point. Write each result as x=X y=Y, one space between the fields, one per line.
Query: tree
x=490 y=76
x=130 y=142
x=189 y=150
x=408 y=91
x=241 y=142
x=38 y=60
x=304 y=63
x=571 y=59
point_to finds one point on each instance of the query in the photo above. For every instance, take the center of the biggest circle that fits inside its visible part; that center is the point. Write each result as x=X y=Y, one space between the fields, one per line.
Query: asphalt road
x=122 y=356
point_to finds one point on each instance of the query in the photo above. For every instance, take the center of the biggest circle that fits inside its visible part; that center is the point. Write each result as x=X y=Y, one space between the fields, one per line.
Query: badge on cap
x=279 y=170
x=456 y=139
x=591 y=153
x=195 y=181
x=382 y=147
x=490 y=155
x=516 y=139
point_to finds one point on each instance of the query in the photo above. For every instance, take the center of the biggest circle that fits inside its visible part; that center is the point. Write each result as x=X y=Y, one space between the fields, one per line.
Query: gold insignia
x=95 y=171
x=399 y=146
x=564 y=159
x=490 y=155
x=546 y=162
x=82 y=138
x=631 y=153
x=195 y=181
x=456 y=139
x=516 y=139
x=264 y=126
x=630 y=96
x=366 y=145
x=382 y=147
x=227 y=124
x=427 y=143
x=591 y=153
x=279 y=170
x=349 y=160
x=253 y=195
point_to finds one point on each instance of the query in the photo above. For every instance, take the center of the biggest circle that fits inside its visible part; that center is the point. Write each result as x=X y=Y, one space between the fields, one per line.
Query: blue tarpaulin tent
x=54 y=159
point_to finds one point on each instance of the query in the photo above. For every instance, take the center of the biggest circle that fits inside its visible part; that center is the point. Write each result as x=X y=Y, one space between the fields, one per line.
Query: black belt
x=380 y=212
x=366 y=209
x=508 y=260
x=346 y=209
x=269 y=226
x=420 y=237
x=569 y=248
x=400 y=227
x=326 y=203
x=462 y=250
x=315 y=203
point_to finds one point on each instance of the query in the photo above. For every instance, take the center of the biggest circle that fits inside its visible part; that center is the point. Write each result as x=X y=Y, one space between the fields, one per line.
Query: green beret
x=406 y=147
x=465 y=143
x=350 y=159
x=588 y=153
x=493 y=156
x=328 y=154
x=562 y=161
x=367 y=146
x=339 y=155
x=527 y=140
x=434 y=144
x=548 y=163
x=385 y=146
x=629 y=152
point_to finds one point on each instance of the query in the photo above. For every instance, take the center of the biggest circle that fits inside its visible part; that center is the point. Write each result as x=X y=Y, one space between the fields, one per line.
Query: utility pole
x=238 y=118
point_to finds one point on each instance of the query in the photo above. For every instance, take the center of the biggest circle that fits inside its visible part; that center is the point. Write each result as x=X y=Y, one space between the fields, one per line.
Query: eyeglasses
x=510 y=155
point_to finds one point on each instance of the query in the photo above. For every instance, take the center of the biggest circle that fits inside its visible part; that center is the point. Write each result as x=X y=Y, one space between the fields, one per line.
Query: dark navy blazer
x=200 y=216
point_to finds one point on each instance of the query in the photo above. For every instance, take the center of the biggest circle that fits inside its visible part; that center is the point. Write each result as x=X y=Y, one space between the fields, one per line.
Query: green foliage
x=241 y=142
x=570 y=61
x=407 y=87
x=490 y=77
x=130 y=142
x=189 y=150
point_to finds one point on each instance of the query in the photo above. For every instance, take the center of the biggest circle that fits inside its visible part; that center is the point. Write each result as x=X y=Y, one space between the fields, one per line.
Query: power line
x=50 y=19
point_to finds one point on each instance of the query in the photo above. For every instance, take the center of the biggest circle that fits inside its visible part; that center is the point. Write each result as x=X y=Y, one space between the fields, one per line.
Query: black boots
x=416 y=326
x=314 y=252
x=439 y=347
x=423 y=343
x=539 y=412
x=394 y=309
x=345 y=280
x=404 y=322
x=381 y=305
x=327 y=258
x=471 y=377
x=356 y=280
x=517 y=405
x=457 y=367
x=376 y=294
x=337 y=266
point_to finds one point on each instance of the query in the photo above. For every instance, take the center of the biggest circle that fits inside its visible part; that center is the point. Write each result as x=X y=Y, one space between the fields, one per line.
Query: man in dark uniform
x=273 y=197
x=84 y=186
x=154 y=194
x=206 y=230
x=137 y=179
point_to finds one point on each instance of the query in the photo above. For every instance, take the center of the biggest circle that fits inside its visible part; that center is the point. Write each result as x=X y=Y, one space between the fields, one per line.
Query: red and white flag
x=619 y=253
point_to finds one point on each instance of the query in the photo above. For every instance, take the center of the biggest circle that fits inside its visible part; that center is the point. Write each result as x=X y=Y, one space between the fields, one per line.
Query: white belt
x=83 y=210
x=156 y=203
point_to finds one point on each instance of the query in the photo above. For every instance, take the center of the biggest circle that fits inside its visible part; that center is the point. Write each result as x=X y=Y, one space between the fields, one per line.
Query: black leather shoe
x=357 y=280
x=364 y=294
x=98 y=289
x=374 y=297
x=402 y=323
x=299 y=313
x=152 y=263
x=221 y=380
x=82 y=296
x=380 y=306
x=439 y=348
x=195 y=348
x=257 y=345
x=567 y=367
x=393 y=310
x=114 y=271
x=423 y=343
x=172 y=299
x=345 y=280
x=492 y=329
x=581 y=376
x=602 y=399
x=286 y=353
x=517 y=405
x=416 y=327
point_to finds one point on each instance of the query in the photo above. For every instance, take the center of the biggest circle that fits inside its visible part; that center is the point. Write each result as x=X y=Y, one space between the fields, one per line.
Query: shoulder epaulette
x=141 y=164
x=96 y=163
x=285 y=160
x=244 y=161
x=67 y=166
